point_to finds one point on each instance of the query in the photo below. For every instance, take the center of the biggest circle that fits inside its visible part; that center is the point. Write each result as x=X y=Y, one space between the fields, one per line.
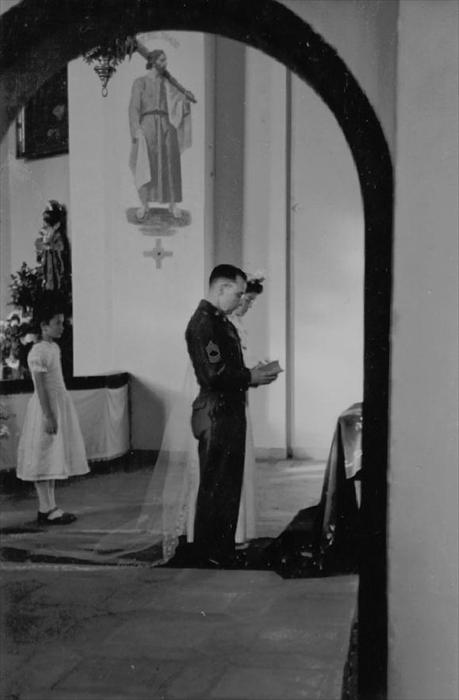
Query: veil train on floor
x=168 y=509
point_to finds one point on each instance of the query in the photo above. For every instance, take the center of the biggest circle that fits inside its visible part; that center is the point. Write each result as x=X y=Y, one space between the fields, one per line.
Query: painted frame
x=42 y=127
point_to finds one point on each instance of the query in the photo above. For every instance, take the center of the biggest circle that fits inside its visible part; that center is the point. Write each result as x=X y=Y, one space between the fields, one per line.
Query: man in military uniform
x=219 y=413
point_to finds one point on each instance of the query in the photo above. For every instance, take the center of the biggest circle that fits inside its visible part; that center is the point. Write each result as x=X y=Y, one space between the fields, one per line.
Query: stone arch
x=39 y=38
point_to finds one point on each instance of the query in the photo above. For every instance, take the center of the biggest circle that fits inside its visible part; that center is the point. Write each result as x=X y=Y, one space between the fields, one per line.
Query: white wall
x=365 y=36
x=92 y=242
x=228 y=167
x=128 y=314
x=423 y=487
x=326 y=301
x=327 y=269
x=264 y=237
x=32 y=184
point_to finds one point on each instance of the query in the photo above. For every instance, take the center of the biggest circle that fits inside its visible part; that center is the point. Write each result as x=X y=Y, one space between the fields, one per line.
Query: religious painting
x=42 y=127
x=160 y=114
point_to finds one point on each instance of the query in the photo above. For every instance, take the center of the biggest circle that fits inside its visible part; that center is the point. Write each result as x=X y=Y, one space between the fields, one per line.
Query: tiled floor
x=150 y=633
x=121 y=633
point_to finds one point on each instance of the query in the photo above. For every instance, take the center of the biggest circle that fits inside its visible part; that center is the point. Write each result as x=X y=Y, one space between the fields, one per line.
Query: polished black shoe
x=64 y=519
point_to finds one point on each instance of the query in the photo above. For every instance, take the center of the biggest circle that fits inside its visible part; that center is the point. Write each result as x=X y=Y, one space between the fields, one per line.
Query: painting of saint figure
x=160 y=125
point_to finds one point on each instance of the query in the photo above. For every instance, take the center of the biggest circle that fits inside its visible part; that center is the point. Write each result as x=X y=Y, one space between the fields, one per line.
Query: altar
x=323 y=539
x=102 y=405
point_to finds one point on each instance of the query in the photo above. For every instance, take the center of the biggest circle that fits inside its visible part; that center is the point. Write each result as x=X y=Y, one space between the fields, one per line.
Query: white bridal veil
x=169 y=504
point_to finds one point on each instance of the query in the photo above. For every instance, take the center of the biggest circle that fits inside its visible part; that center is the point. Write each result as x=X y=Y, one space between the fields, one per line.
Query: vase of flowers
x=16 y=332
x=4 y=429
x=16 y=338
x=26 y=288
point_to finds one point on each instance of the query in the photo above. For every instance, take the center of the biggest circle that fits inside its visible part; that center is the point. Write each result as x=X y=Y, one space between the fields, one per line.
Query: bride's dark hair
x=254 y=287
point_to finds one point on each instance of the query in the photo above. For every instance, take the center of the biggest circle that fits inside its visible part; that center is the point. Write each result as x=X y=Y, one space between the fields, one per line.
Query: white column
x=327 y=248
x=264 y=229
x=423 y=474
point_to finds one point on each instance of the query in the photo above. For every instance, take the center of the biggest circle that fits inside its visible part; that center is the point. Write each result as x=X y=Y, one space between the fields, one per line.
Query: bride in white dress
x=246 y=524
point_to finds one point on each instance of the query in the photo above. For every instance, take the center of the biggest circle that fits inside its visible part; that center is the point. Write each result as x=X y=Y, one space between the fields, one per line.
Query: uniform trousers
x=220 y=428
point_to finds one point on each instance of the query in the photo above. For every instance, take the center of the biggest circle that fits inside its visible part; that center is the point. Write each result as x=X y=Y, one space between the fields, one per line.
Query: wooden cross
x=158 y=253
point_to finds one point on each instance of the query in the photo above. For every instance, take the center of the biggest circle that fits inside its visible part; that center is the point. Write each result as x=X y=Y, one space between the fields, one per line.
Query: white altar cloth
x=104 y=419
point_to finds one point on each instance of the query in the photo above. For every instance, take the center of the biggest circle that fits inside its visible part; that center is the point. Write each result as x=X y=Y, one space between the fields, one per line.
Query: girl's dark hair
x=254 y=287
x=49 y=307
x=45 y=315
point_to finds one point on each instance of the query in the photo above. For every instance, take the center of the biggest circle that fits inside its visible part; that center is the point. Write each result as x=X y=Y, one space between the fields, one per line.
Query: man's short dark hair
x=227 y=272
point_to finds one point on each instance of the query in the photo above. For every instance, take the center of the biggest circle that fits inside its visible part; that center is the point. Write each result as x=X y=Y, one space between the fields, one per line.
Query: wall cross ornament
x=158 y=253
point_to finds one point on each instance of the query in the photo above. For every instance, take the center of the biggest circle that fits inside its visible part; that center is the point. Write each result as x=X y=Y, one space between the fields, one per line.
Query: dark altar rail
x=111 y=380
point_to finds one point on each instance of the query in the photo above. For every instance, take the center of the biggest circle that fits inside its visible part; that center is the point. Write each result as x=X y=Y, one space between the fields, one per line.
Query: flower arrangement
x=26 y=287
x=16 y=337
x=4 y=415
x=258 y=276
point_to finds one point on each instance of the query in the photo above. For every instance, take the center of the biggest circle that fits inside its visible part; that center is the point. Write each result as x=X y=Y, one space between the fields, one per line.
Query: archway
x=38 y=39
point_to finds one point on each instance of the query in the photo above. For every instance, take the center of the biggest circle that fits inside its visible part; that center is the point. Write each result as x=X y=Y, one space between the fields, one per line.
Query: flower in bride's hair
x=259 y=276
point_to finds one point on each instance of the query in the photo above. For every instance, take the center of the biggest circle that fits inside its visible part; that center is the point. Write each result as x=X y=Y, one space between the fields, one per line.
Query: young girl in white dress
x=245 y=529
x=51 y=444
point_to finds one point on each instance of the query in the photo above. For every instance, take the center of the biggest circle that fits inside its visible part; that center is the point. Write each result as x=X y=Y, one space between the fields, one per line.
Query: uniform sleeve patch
x=213 y=352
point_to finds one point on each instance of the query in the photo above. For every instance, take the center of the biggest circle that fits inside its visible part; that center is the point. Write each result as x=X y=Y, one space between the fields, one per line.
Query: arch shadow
x=39 y=38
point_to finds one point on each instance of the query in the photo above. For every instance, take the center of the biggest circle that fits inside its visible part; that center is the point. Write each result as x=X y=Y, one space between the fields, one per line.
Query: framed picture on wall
x=42 y=126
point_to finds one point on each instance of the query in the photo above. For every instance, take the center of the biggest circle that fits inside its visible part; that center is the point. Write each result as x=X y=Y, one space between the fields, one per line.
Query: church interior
x=334 y=177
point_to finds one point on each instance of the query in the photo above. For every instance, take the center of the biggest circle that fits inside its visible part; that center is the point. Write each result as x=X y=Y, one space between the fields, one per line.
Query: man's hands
x=259 y=375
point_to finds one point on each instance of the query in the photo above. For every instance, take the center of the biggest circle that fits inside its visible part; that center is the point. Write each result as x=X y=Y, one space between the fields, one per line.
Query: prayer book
x=272 y=367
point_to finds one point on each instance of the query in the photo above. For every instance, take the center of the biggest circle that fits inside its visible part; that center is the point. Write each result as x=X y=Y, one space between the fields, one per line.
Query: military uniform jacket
x=215 y=351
